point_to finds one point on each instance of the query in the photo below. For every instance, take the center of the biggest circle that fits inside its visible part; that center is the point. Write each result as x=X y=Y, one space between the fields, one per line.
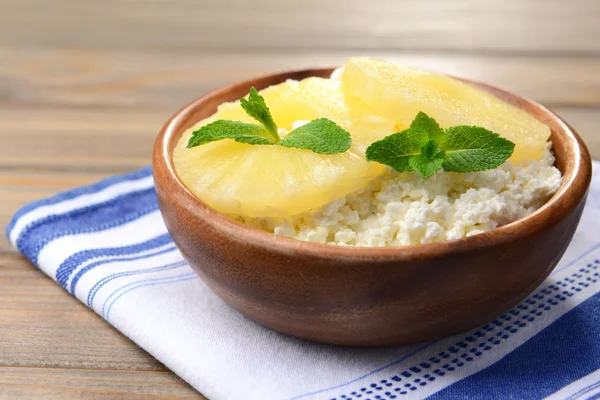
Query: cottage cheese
x=400 y=209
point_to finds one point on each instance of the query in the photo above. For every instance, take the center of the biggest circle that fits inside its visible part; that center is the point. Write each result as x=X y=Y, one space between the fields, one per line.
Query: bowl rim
x=573 y=189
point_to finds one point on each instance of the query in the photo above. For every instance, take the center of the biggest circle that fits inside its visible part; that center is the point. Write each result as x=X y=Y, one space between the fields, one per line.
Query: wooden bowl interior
x=570 y=152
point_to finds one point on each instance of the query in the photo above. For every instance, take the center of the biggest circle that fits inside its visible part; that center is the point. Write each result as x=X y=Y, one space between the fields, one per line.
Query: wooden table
x=85 y=86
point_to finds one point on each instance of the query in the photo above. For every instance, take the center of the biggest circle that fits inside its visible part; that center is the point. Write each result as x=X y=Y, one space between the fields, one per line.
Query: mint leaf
x=397 y=149
x=322 y=136
x=431 y=150
x=394 y=150
x=425 y=147
x=236 y=130
x=429 y=161
x=427 y=127
x=256 y=107
x=472 y=148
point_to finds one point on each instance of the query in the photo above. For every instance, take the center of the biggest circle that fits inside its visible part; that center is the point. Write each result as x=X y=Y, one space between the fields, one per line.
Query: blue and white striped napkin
x=107 y=245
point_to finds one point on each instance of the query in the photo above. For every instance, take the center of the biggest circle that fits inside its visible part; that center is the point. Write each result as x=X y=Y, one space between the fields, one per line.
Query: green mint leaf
x=236 y=130
x=429 y=161
x=472 y=148
x=426 y=127
x=431 y=150
x=425 y=167
x=256 y=108
x=397 y=149
x=425 y=147
x=322 y=136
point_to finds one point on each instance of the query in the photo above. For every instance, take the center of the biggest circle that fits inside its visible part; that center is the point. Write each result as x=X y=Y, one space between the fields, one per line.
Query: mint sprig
x=236 y=130
x=321 y=135
x=256 y=108
x=426 y=148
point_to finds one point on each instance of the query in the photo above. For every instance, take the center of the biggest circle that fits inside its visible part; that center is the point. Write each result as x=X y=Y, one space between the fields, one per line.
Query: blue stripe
x=116 y=292
x=585 y=253
x=71 y=194
x=67 y=267
x=97 y=217
x=478 y=343
x=398 y=361
x=93 y=265
x=583 y=391
x=564 y=352
x=148 y=282
x=107 y=279
x=594 y=397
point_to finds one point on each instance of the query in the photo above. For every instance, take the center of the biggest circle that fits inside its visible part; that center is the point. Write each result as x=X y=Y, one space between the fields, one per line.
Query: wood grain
x=129 y=80
x=531 y=26
x=91 y=148
x=76 y=383
x=53 y=320
x=52 y=346
x=85 y=86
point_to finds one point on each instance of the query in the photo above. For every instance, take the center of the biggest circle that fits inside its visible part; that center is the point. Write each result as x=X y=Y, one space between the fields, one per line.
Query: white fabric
x=160 y=304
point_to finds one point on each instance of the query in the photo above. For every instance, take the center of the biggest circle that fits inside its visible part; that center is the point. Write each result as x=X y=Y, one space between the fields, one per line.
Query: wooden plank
x=41 y=325
x=101 y=110
x=62 y=383
x=109 y=141
x=194 y=26
x=129 y=81
x=30 y=171
x=53 y=347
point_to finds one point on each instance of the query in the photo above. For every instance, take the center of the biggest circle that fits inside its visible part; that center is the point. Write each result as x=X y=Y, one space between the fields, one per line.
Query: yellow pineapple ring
x=399 y=93
x=274 y=181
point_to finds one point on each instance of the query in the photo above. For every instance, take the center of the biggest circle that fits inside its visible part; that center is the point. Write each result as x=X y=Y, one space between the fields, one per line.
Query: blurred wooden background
x=85 y=85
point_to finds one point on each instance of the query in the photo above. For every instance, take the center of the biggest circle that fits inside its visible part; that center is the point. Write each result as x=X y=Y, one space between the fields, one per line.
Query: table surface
x=85 y=85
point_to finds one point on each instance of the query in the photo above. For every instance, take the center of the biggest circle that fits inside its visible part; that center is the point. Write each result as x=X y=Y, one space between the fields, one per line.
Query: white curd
x=400 y=209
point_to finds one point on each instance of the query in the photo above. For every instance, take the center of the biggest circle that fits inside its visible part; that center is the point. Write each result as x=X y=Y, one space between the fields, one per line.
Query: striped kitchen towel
x=107 y=245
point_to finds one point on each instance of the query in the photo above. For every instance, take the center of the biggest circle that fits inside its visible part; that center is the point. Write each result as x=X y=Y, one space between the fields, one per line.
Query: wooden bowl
x=369 y=296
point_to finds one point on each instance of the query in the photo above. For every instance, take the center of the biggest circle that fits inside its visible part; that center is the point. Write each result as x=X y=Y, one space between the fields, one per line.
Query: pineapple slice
x=399 y=93
x=274 y=181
